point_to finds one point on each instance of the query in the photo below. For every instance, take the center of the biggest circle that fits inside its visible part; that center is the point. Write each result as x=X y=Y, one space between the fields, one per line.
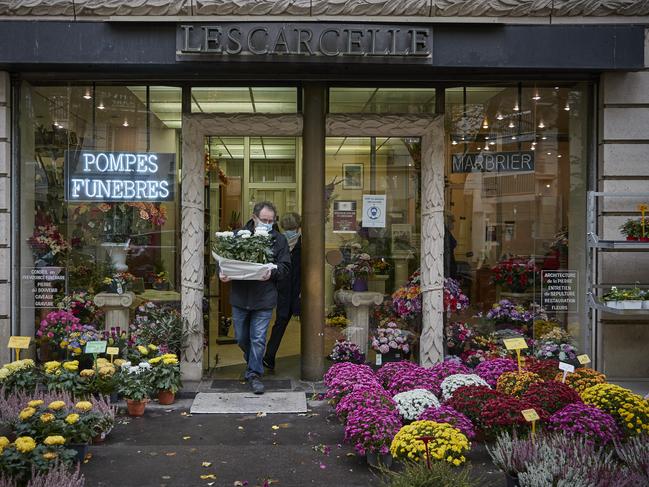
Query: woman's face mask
x=291 y=233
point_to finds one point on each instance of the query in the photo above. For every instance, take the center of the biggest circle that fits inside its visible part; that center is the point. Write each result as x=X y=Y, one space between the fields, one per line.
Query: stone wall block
x=626 y=88
x=5 y=331
x=5 y=264
x=5 y=122
x=628 y=123
x=5 y=299
x=624 y=267
x=5 y=229
x=625 y=187
x=5 y=85
x=625 y=159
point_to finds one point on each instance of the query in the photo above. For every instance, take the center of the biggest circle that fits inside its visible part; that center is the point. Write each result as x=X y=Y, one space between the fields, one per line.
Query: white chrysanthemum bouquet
x=244 y=255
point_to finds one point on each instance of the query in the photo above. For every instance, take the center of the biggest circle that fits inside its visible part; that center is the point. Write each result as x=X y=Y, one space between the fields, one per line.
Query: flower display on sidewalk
x=491 y=370
x=586 y=422
x=455 y=381
x=446 y=414
x=551 y=395
x=516 y=383
x=446 y=443
x=411 y=404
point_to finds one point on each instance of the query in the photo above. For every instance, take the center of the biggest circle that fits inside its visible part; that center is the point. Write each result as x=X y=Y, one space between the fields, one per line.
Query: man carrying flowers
x=253 y=301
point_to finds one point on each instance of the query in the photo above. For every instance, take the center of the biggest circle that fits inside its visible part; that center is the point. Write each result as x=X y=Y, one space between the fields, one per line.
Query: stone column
x=432 y=243
x=357 y=306
x=313 y=241
x=116 y=307
x=5 y=216
x=192 y=270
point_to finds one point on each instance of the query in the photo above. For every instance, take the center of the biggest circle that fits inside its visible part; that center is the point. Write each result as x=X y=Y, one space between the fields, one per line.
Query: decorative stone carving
x=195 y=128
x=431 y=129
x=347 y=8
x=357 y=307
x=116 y=307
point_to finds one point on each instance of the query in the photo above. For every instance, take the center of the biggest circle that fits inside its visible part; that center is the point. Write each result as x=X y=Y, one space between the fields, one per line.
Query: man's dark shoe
x=256 y=385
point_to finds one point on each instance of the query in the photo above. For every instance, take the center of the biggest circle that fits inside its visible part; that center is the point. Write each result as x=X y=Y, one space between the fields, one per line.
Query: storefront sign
x=345 y=217
x=374 y=210
x=46 y=282
x=306 y=40
x=119 y=176
x=498 y=162
x=559 y=291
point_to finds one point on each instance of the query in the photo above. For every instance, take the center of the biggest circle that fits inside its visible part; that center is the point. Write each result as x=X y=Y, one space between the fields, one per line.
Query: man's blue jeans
x=250 y=327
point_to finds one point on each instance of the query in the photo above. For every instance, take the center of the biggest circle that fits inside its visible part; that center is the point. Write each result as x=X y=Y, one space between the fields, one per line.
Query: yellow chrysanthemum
x=47 y=417
x=4 y=373
x=169 y=355
x=72 y=418
x=107 y=370
x=26 y=413
x=25 y=444
x=155 y=360
x=119 y=362
x=56 y=405
x=446 y=444
x=87 y=373
x=170 y=361
x=101 y=362
x=142 y=350
x=54 y=440
x=152 y=347
x=83 y=406
x=4 y=441
x=71 y=366
x=35 y=403
x=50 y=455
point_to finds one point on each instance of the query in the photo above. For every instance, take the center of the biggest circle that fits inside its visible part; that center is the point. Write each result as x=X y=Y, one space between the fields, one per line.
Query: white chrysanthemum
x=412 y=403
x=452 y=382
x=244 y=233
x=260 y=232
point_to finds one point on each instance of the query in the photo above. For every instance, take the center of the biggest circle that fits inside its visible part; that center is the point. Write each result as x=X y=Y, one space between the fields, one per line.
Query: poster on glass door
x=345 y=217
x=374 y=210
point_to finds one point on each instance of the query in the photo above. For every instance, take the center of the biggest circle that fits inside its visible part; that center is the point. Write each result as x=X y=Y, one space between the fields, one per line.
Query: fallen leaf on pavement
x=186 y=437
x=166 y=477
x=87 y=458
x=171 y=454
x=261 y=415
x=206 y=464
x=209 y=476
x=275 y=427
x=284 y=425
x=239 y=427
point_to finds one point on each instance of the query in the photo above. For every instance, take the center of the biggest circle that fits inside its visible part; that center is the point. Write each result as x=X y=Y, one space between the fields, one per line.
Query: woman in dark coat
x=288 y=289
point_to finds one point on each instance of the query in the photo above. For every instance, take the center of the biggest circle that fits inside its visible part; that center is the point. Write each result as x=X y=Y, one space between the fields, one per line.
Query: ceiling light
x=511 y=125
x=549 y=153
x=547 y=185
x=513 y=137
x=532 y=148
x=56 y=124
x=544 y=138
x=492 y=143
x=454 y=142
x=499 y=116
x=536 y=96
x=87 y=96
x=486 y=147
x=125 y=124
x=567 y=107
x=541 y=125
x=559 y=156
x=485 y=124
x=516 y=107
x=101 y=106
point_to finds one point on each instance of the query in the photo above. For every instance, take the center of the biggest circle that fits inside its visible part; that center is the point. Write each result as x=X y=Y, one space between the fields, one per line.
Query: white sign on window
x=374 y=210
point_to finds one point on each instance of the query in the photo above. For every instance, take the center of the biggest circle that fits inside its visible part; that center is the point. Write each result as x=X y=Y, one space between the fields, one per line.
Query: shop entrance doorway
x=240 y=172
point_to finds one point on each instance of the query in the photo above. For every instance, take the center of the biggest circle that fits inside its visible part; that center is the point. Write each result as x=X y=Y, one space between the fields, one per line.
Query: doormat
x=248 y=403
x=233 y=385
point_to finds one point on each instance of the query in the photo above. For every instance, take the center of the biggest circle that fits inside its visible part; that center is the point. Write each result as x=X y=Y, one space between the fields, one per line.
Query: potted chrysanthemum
x=166 y=377
x=134 y=384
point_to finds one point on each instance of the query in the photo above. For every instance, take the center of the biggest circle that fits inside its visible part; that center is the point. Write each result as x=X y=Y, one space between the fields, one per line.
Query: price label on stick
x=531 y=416
x=18 y=343
x=379 y=359
x=96 y=347
x=515 y=343
x=583 y=359
x=566 y=368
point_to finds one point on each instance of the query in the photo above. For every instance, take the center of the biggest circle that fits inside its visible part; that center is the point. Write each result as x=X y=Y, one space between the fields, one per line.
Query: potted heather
x=165 y=377
x=134 y=384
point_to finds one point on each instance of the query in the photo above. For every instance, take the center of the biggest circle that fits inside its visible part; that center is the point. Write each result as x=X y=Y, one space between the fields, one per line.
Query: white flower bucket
x=632 y=304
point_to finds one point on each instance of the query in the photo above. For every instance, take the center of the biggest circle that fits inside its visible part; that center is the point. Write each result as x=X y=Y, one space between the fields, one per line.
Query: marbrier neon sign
x=119 y=176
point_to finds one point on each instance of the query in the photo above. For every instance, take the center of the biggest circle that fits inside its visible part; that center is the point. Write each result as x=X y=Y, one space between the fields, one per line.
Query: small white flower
x=412 y=403
x=241 y=233
x=453 y=382
x=245 y=235
x=260 y=232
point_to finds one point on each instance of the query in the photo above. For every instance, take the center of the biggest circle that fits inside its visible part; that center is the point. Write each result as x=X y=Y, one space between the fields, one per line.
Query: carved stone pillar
x=432 y=243
x=357 y=307
x=192 y=248
x=116 y=306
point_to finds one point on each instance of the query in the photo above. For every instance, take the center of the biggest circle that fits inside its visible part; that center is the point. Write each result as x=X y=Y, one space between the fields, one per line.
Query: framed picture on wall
x=352 y=176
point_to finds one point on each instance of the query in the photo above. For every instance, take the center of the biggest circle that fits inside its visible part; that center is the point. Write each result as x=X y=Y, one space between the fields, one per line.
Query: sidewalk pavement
x=169 y=447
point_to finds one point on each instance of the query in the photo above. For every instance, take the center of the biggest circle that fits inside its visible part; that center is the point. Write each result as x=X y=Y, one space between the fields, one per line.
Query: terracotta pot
x=166 y=397
x=135 y=408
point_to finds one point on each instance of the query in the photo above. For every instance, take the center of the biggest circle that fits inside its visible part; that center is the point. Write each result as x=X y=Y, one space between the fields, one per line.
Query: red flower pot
x=644 y=239
x=135 y=408
x=631 y=238
x=166 y=397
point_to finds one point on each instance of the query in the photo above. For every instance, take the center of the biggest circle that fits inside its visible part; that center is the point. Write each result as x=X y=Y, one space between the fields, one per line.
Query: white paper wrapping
x=239 y=270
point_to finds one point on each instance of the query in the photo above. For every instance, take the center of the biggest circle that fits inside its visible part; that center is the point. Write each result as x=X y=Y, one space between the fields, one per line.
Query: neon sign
x=119 y=176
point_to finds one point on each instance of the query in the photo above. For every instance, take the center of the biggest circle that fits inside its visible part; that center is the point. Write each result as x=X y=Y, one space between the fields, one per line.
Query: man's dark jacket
x=263 y=294
x=288 y=289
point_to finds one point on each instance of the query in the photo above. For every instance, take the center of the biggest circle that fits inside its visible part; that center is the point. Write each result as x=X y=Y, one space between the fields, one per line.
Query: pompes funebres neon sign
x=308 y=41
x=119 y=176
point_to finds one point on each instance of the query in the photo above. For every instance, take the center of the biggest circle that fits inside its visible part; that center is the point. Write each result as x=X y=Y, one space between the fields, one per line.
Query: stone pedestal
x=401 y=267
x=357 y=306
x=116 y=308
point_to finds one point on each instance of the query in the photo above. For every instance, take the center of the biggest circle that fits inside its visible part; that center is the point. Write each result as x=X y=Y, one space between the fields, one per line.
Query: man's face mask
x=264 y=226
